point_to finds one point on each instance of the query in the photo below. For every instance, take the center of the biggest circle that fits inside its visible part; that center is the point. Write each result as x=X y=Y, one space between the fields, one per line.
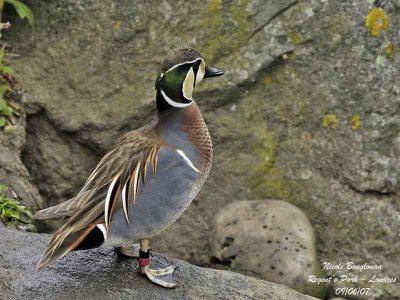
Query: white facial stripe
x=201 y=72
x=172 y=102
x=188 y=83
x=187 y=160
x=184 y=63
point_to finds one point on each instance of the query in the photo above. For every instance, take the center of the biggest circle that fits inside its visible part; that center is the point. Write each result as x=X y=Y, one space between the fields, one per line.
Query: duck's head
x=181 y=71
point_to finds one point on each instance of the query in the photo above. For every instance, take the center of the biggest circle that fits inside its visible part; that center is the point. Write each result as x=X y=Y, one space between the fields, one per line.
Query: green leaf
x=24 y=219
x=3 y=104
x=23 y=11
x=6 y=214
x=2 y=121
x=1 y=54
x=14 y=214
x=4 y=88
x=11 y=202
x=8 y=111
x=28 y=213
x=7 y=70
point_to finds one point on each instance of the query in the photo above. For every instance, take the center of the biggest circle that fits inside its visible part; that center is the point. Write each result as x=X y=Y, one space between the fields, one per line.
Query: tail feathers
x=62 y=244
x=60 y=210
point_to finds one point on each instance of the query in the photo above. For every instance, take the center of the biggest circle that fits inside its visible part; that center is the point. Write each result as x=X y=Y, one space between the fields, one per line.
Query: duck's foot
x=129 y=250
x=161 y=277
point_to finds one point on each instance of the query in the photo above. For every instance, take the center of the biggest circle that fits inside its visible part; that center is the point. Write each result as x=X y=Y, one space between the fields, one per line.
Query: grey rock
x=101 y=274
x=64 y=157
x=13 y=172
x=270 y=238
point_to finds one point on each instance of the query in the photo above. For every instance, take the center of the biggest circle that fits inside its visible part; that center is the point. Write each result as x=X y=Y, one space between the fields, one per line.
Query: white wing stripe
x=187 y=160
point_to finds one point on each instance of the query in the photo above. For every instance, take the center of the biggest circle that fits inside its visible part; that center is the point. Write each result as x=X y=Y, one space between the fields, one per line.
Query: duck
x=147 y=179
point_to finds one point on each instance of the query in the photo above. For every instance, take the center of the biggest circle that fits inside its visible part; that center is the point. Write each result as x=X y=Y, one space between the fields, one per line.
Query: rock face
x=13 y=172
x=307 y=112
x=101 y=274
x=272 y=239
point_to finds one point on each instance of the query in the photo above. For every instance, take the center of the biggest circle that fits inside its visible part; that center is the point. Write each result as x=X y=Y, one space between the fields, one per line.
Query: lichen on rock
x=330 y=121
x=356 y=122
x=377 y=21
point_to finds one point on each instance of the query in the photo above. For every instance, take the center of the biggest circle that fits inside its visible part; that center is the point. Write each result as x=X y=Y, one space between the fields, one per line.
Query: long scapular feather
x=139 y=174
x=64 y=246
x=107 y=207
x=113 y=179
x=60 y=210
x=125 y=202
x=68 y=237
x=153 y=156
x=136 y=179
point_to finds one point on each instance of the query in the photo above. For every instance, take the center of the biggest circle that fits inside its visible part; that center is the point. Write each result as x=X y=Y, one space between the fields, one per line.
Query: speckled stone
x=270 y=238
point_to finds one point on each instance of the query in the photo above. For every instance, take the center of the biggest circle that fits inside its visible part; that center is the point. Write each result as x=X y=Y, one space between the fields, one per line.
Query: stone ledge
x=102 y=274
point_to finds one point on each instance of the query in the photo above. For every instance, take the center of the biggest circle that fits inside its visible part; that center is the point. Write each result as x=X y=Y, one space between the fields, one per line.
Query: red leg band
x=143 y=262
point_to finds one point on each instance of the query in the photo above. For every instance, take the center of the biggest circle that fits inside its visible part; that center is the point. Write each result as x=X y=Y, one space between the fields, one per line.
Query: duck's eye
x=195 y=71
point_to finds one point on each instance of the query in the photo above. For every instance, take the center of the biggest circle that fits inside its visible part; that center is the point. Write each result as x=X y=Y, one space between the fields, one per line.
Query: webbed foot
x=162 y=277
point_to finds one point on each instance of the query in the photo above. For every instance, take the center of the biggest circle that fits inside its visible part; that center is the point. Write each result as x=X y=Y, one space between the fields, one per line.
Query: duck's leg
x=162 y=277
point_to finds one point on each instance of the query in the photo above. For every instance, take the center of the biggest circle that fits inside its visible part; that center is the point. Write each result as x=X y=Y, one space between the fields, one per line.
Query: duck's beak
x=213 y=72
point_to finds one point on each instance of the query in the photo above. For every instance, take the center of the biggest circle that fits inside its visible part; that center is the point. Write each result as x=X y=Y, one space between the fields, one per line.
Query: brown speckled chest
x=195 y=127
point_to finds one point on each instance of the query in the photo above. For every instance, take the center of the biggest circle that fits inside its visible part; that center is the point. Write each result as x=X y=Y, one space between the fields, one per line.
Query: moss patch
x=296 y=37
x=267 y=80
x=268 y=180
x=226 y=26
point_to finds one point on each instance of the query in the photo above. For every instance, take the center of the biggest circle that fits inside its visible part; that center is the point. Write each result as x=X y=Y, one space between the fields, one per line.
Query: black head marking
x=182 y=68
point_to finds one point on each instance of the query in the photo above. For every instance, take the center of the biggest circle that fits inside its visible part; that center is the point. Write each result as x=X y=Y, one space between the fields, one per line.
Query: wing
x=117 y=176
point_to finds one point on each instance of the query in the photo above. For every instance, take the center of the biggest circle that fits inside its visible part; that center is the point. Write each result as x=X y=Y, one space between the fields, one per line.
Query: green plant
x=11 y=211
x=5 y=71
x=23 y=11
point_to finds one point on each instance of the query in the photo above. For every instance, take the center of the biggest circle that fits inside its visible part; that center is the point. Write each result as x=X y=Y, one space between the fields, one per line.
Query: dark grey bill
x=213 y=72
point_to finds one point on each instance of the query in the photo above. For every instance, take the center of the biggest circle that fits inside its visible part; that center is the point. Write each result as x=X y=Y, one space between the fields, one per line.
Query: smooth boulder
x=271 y=239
